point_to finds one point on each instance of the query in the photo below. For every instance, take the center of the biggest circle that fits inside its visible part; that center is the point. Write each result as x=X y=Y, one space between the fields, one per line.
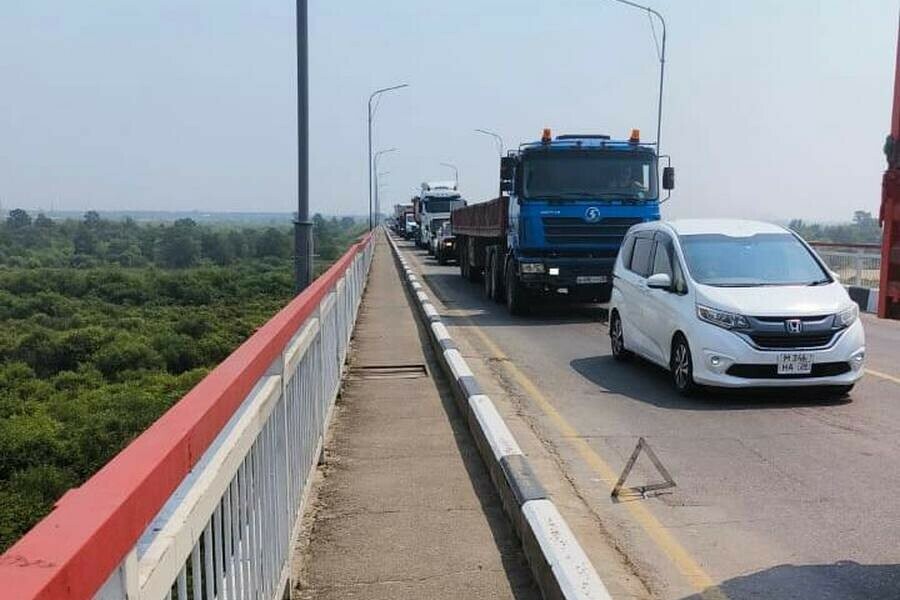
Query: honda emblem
x=794 y=325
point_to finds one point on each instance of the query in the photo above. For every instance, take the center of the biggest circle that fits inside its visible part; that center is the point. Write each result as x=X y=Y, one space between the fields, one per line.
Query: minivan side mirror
x=659 y=281
x=668 y=178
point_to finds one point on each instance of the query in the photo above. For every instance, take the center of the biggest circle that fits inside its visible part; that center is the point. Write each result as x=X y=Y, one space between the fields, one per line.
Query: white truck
x=436 y=201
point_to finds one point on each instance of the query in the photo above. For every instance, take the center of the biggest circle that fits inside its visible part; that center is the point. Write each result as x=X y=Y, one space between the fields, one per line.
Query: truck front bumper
x=577 y=276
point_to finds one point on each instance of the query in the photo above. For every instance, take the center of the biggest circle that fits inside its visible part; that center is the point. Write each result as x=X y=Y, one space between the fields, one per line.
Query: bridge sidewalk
x=404 y=507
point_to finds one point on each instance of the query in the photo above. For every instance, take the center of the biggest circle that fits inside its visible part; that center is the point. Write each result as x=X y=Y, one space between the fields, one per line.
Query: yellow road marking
x=661 y=536
x=883 y=375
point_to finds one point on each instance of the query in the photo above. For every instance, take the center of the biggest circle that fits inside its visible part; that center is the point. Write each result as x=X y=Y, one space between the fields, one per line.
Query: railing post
x=857 y=264
x=124 y=583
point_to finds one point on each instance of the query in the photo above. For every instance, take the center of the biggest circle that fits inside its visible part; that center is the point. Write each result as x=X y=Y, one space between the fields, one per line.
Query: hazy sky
x=773 y=109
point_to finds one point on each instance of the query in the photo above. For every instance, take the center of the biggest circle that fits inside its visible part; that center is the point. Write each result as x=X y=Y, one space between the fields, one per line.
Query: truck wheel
x=463 y=263
x=515 y=295
x=489 y=276
x=472 y=272
x=441 y=257
x=497 y=277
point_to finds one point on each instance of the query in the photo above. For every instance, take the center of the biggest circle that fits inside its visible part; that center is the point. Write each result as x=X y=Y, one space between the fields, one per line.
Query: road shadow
x=843 y=580
x=649 y=383
x=454 y=292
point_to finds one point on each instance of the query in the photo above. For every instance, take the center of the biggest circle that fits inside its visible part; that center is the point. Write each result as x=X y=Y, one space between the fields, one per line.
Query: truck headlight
x=722 y=318
x=847 y=317
x=532 y=267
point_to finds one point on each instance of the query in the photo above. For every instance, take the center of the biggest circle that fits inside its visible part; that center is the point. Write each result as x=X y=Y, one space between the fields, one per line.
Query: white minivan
x=730 y=303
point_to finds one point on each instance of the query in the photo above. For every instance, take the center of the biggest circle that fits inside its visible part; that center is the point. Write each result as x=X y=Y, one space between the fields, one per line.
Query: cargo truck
x=564 y=208
x=432 y=207
x=399 y=217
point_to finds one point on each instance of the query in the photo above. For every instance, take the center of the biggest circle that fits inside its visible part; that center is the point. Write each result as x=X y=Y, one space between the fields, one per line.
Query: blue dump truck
x=556 y=228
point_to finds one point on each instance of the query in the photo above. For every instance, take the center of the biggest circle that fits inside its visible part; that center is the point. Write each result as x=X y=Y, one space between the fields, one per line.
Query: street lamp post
x=375 y=161
x=455 y=172
x=500 y=147
x=378 y=189
x=303 y=267
x=497 y=139
x=374 y=95
x=661 y=50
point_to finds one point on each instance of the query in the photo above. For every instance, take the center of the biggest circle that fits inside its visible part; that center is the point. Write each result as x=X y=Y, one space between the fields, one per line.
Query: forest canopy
x=104 y=324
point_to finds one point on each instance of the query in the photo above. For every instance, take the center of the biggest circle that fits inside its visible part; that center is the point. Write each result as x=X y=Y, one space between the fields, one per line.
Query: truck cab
x=435 y=203
x=571 y=201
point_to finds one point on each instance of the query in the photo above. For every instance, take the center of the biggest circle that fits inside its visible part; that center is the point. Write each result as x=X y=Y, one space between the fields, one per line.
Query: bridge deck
x=405 y=507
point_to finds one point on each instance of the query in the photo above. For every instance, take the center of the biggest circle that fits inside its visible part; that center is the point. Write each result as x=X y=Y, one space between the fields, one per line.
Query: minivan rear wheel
x=682 y=367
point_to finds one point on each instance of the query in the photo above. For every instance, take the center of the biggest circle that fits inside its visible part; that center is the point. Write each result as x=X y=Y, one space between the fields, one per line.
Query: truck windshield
x=439 y=205
x=752 y=261
x=590 y=174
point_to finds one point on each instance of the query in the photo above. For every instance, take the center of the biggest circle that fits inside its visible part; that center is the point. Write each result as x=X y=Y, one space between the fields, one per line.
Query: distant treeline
x=105 y=324
x=39 y=241
x=863 y=229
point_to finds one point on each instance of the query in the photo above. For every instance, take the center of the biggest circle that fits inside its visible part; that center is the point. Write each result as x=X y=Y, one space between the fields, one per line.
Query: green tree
x=84 y=241
x=43 y=221
x=92 y=219
x=273 y=243
x=18 y=219
x=180 y=246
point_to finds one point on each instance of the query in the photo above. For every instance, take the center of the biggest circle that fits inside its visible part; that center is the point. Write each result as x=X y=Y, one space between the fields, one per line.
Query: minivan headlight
x=847 y=317
x=532 y=267
x=722 y=318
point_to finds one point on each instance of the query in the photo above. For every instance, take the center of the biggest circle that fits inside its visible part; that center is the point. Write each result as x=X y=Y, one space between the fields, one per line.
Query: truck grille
x=574 y=230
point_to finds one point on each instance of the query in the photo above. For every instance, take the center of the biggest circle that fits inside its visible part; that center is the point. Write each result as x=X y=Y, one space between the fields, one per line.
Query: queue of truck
x=719 y=303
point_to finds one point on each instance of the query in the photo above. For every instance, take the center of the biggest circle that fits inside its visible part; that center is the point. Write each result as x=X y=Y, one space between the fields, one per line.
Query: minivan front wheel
x=617 y=338
x=682 y=367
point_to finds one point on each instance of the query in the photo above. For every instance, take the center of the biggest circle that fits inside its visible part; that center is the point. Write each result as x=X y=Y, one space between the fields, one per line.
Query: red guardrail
x=72 y=552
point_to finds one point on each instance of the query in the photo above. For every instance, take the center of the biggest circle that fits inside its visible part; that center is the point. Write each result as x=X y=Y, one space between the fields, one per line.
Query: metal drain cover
x=389 y=372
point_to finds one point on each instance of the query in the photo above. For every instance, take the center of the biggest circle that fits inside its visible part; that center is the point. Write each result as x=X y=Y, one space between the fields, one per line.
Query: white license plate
x=795 y=363
x=591 y=279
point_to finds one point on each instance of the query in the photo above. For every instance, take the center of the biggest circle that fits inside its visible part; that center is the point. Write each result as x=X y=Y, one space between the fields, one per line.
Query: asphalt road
x=779 y=495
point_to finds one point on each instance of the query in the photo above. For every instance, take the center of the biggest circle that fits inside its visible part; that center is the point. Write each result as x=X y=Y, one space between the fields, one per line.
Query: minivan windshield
x=757 y=260
x=589 y=175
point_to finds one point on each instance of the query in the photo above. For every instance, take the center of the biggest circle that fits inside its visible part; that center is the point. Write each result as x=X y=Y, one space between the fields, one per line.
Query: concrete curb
x=560 y=566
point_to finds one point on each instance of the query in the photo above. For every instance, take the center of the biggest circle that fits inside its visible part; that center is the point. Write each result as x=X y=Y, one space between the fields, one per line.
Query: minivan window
x=640 y=258
x=662 y=262
x=627 y=248
x=756 y=260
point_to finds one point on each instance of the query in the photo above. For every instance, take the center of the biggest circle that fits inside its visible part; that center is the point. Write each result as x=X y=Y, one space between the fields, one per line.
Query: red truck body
x=486 y=219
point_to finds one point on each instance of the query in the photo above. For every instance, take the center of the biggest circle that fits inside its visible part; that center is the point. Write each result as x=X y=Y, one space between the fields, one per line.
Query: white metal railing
x=854 y=266
x=227 y=531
